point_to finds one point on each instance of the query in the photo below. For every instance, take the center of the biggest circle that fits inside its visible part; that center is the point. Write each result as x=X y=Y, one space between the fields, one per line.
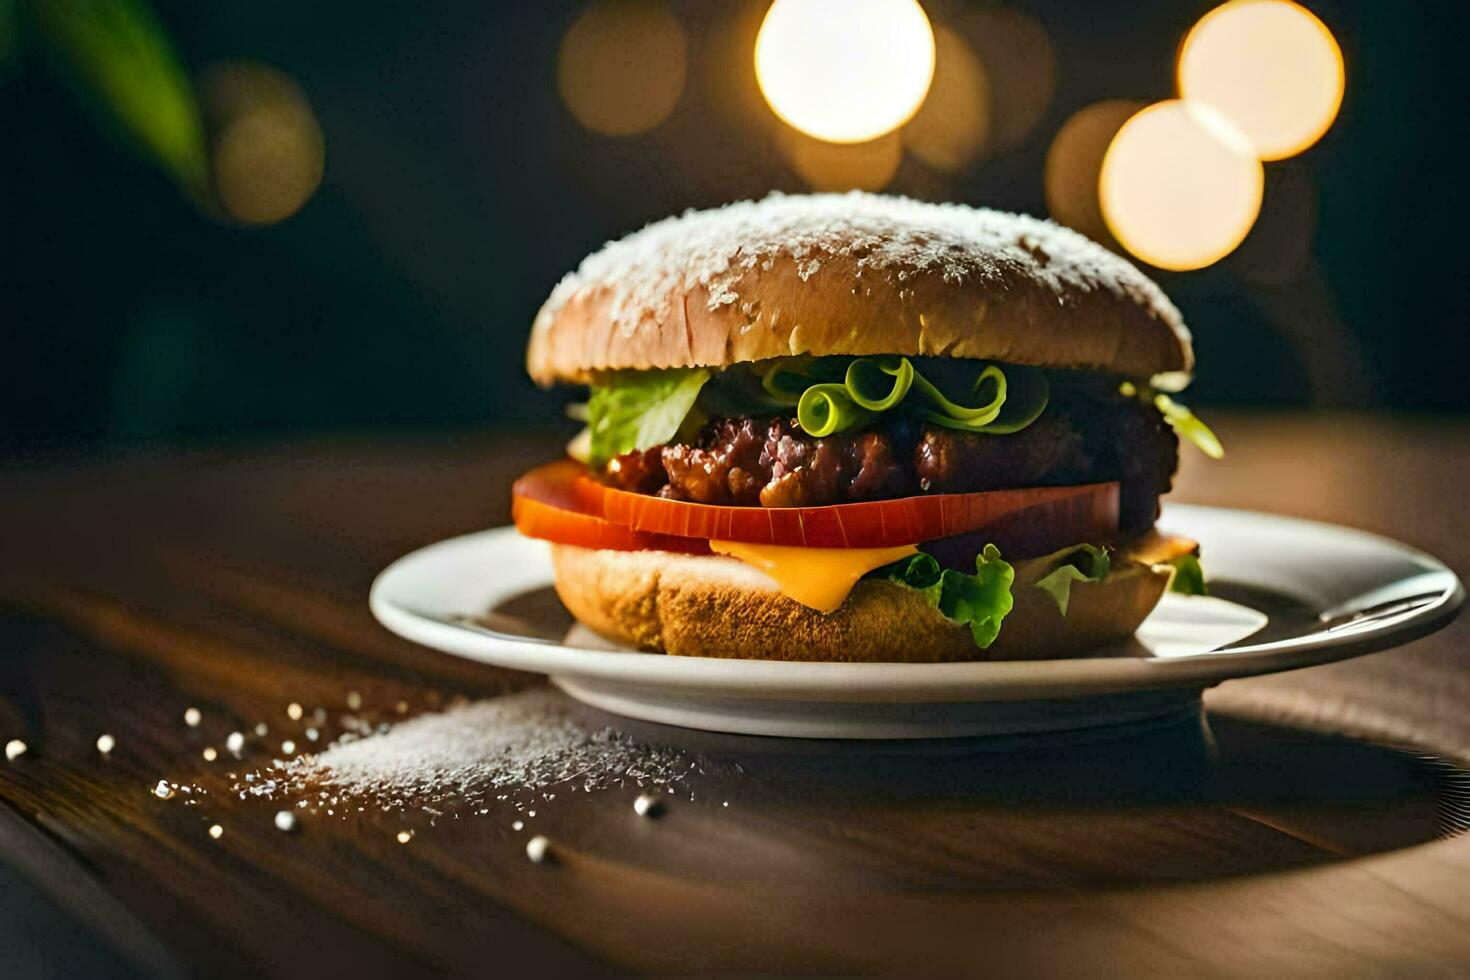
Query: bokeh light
x=1074 y=164
x=845 y=71
x=1180 y=186
x=948 y=132
x=1271 y=67
x=825 y=166
x=621 y=66
x=267 y=152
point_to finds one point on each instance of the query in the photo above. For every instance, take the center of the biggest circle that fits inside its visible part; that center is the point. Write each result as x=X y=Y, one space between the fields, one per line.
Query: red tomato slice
x=547 y=503
x=1067 y=514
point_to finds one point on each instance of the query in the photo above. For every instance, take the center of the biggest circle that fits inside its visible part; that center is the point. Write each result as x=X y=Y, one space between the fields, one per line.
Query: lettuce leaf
x=1189 y=577
x=980 y=601
x=1083 y=563
x=1188 y=426
x=640 y=409
x=1000 y=400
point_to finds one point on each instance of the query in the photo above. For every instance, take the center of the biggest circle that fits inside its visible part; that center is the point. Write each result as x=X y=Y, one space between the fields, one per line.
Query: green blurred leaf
x=116 y=55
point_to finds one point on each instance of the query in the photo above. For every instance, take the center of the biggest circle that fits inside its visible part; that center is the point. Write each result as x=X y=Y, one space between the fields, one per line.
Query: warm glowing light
x=948 y=132
x=621 y=66
x=845 y=71
x=1271 y=67
x=827 y=166
x=1180 y=187
x=267 y=154
x=1074 y=163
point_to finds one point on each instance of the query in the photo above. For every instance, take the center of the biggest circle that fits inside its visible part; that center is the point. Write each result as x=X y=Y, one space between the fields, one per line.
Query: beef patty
x=771 y=462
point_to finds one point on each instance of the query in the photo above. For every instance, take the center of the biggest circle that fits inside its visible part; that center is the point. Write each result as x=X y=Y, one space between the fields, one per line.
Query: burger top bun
x=856 y=274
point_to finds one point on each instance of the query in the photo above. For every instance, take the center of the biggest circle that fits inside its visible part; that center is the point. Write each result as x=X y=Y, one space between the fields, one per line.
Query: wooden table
x=232 y=579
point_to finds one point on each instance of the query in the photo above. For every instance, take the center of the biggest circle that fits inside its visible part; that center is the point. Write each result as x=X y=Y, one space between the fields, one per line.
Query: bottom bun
x=711 y=606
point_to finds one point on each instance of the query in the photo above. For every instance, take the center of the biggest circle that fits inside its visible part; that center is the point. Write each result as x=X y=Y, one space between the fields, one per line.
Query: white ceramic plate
x=1287 y=593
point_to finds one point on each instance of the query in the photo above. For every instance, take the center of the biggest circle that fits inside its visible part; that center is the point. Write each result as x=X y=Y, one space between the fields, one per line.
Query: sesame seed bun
x=856 y=274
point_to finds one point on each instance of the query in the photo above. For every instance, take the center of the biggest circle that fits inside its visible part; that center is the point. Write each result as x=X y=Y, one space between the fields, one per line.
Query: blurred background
x=266 y=217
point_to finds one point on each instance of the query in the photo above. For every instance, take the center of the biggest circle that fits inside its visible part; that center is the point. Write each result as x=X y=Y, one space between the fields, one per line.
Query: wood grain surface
x=1310 y=828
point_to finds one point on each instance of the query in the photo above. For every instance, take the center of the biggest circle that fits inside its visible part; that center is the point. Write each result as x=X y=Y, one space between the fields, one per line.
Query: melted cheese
x=1155 y=547
x=817 y=577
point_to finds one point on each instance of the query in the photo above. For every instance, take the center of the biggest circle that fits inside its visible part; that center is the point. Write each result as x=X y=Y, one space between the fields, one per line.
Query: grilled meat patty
x=772 y=462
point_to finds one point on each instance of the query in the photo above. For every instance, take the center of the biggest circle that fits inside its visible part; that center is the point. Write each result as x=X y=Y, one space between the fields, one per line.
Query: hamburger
x=862 y=428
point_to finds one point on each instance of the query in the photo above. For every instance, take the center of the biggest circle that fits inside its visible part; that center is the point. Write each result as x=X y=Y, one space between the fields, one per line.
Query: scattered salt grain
x=647 y=805
x=518 y=825
x=105 y=743
x=235 y=742
x=210 y=754
x=293 y=711
x=192 y=717
x=163 y=790
x=354 y=701
x=262 y=729
x=524 y=747
x=285 y=820
x=288 y=747
x=538 y=849
x=14 y=749
x=216 y=831
x=404 y=836
x=312 y=734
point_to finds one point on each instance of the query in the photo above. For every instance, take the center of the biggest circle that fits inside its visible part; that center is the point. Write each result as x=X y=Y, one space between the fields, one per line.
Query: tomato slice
x=549 y=504
x=1067 y=514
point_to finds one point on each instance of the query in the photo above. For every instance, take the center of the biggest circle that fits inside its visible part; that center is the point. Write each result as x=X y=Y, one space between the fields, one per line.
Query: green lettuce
x=1083 y=563
x=980 y=601
x=999 y=400
x=640 y=409
x=1188 y=577
x=1188 y=426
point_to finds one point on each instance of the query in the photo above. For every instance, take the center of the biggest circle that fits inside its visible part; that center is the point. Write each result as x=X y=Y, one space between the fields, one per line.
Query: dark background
x=458 y=188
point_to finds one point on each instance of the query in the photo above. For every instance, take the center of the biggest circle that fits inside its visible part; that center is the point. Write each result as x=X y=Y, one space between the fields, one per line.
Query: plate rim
x=999 y=680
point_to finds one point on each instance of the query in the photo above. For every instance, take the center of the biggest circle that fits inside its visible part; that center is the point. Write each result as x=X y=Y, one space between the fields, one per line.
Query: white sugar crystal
x=891 y=237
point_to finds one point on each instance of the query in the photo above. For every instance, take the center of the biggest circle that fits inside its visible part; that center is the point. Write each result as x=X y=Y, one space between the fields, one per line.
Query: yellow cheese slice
x=817 y=577
x=1154 y=547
